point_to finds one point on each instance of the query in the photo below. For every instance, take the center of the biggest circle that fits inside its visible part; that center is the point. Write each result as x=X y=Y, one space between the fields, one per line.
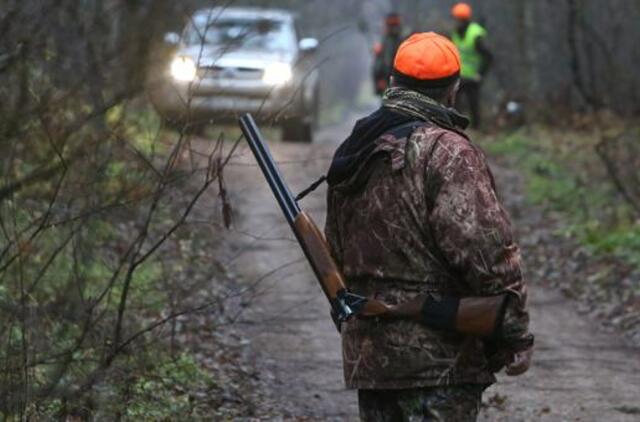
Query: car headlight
x=277 y=74
x=183 y=69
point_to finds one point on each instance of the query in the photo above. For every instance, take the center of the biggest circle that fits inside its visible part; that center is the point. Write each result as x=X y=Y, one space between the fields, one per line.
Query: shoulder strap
x=405 y=129
x=401 y=131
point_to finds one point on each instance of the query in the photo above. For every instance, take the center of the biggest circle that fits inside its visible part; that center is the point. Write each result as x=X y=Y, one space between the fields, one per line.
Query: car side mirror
x=172 y=38
x=308 y=45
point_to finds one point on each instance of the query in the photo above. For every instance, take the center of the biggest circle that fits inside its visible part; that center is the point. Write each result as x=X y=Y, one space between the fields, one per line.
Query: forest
x=146 y=272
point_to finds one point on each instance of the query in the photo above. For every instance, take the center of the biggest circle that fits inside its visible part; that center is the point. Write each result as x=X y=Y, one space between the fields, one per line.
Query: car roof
x=242 y=13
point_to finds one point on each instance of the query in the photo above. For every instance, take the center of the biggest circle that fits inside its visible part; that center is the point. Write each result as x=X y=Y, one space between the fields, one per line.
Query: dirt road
x=580 y=373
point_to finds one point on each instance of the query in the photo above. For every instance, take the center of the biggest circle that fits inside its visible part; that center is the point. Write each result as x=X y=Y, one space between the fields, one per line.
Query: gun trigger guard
x=346 y=305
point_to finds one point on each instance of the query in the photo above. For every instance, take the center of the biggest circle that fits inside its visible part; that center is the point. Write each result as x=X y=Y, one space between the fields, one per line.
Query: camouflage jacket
x=426 y=220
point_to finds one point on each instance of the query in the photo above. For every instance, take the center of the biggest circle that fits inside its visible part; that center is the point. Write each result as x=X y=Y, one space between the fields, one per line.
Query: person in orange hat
x=469 y=37
x=385 y=50
x=412 y=212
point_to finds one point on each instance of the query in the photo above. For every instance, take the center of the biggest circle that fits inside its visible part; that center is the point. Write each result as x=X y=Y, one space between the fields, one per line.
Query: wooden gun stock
x=316 y=249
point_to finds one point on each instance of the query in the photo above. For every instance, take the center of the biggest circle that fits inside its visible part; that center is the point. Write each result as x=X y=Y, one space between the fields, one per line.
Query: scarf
x=421 y=107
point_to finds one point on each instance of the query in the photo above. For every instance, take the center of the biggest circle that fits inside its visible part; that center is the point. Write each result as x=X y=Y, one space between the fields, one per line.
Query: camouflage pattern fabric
x=432 y=404
x=425 y=220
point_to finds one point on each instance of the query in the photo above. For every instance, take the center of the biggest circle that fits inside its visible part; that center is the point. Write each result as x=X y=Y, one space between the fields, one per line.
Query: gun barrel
x=343 y=304
x=268 y=166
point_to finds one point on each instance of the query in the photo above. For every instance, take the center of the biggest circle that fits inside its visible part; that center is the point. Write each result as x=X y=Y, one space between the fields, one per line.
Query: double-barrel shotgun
x=479 y=316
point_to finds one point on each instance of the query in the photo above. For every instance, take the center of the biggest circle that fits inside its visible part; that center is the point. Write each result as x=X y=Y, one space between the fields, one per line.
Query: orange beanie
x=426 y=60
x=462 y=11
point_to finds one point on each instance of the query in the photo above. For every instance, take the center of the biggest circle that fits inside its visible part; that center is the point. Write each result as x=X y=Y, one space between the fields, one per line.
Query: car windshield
x=252 y=34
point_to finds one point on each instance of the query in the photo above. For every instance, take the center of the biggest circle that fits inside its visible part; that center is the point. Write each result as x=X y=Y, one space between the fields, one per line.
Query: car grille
x=220 y=72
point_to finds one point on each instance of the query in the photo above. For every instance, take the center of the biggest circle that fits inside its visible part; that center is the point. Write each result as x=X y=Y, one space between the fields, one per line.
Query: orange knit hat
x=426 y=60
x=462 y=11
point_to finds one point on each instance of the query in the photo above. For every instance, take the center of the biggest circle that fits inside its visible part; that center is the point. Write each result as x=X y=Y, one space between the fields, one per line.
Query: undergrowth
x=563 y=173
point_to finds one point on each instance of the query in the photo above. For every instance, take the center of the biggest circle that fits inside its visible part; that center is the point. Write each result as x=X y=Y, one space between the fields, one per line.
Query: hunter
x=413 y=210
x=470 y=38
x=385 y=51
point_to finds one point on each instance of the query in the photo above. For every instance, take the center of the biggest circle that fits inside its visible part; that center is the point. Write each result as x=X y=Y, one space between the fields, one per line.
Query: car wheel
x=297 y=130
x=301 y=129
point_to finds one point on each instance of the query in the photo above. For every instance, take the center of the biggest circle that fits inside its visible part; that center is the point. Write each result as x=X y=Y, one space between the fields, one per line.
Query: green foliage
x=515 y=144
x=565 y=175
x=620 y=241
x=140 y=128
x=166 y=392
x=67 y=271
x=90 y=207
x=547 y=181
x=154 y=387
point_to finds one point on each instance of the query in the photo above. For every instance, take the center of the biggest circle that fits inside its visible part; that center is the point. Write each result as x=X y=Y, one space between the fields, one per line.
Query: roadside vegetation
x=108 y=277
x=579 y=217
x=113 y=302
x=566 y=171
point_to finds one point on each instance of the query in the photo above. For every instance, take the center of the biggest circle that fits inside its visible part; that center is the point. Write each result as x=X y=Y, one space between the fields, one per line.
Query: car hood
x=216 y=56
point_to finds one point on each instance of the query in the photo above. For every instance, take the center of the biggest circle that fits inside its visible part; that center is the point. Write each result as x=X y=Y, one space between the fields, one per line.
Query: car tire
x=301 y=129
x=297 y=130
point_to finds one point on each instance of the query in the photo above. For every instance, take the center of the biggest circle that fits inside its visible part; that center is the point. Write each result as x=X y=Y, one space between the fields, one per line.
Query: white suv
x=229 y=61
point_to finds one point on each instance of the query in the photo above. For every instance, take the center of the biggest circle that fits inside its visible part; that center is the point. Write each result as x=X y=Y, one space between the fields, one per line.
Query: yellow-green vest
x=470 y=57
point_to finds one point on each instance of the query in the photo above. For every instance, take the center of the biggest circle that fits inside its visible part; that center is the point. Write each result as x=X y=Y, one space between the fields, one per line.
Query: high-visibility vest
x=470 y=57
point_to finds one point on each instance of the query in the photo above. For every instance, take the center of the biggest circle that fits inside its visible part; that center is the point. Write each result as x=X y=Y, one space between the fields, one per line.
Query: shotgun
x=478 y=316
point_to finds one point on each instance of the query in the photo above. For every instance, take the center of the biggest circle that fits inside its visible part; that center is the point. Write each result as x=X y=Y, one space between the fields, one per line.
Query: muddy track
x=580 y=372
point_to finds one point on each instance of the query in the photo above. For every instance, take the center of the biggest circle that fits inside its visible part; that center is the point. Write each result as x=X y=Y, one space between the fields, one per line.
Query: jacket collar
x=424 y=108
